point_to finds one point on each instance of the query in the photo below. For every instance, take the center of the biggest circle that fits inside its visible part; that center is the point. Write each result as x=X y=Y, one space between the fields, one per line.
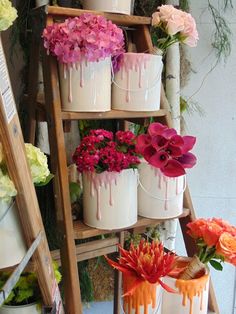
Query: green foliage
x=184 y=5
x=75 y=192
x=222 y=34
x=146 y=7
x=217 y=265
x=86 y=286
x=86 y=125
x=48 y=179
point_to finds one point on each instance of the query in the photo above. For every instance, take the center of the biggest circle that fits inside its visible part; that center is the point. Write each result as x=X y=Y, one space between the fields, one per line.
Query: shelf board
x=82 y=231
x=112 y=114
x=119 y=19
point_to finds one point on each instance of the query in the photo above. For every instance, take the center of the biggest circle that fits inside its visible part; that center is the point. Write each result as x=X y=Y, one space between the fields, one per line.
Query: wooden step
x=119 y=19
x=82 y=231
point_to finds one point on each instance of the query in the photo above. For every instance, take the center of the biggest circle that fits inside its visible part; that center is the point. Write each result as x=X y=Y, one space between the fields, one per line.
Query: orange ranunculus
x=226 y=247
x=146 y=262
x=195 y=228
x=211 y=233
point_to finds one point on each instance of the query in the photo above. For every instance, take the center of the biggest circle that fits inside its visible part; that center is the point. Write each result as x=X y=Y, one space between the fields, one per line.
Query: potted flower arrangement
x=143 y=269
x=10 y=228
x=84 y=47
x=25 y=298
x=109 y=178
x=162 y=173
x=8 y=14
x=113 y=6
x=170 y=26
x=216 y=243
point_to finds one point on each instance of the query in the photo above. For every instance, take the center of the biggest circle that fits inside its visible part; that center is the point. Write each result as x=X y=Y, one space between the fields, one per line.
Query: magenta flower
x=164 y=149
x=98 y=152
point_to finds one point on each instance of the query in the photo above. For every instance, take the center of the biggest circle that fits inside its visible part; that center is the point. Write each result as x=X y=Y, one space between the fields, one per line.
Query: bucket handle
x=140 y=89
x=162 y=199
x=6 y=211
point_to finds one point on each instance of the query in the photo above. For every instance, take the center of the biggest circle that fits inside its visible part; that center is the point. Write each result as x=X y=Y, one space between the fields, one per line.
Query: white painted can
x=20 y=309
x=86 y=87
x=137 y=84
x=12 y=247
x=159 y=196
x=113 y=6
x=110 y=199
x=184 y=303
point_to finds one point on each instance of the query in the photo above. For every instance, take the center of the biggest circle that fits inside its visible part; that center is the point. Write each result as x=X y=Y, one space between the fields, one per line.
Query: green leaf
x=75 y=191
x=48 y=179
x=216 y=265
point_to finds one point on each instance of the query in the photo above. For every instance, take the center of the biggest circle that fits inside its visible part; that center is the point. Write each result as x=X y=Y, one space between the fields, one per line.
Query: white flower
x=7 y=14
x=38 y=163
x=7 y=188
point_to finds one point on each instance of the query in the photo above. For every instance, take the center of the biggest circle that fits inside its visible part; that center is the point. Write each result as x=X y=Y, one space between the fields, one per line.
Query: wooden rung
x=119 y=19
x=91 y=249
x=82 y=231
x=112 y=114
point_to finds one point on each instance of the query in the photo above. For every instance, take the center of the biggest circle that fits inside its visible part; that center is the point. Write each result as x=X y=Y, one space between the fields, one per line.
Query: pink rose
x=156 y=19
x=166 y=12
x=175 y=24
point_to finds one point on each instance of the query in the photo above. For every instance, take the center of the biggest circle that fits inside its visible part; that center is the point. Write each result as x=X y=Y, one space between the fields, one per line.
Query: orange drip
x=192 y=288
x=144 y=295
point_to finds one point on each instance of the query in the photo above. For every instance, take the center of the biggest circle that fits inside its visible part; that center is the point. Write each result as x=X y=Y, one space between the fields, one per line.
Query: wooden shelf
x=82 y=231
x=112 y=114
x=119 y=19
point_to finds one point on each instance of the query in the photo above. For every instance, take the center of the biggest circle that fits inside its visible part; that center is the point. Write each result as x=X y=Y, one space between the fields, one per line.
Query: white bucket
x=137 y=85
x=21 y=309
x=12 y=246
x=86 y=87
x=191 y=299
x=110 y=199
x=113 y=6
x=159 y=196
x=145 y=299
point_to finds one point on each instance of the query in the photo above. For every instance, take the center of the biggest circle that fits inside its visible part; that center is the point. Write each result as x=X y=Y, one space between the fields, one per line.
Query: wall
x=213 y=181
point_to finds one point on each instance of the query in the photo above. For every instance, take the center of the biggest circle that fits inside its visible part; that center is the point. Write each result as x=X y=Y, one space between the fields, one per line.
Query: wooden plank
x=119 y=19
x=82 y=231
x=91 y=249
x=142 y=39
x=18 y=168
x=112 y=114
x=62 y=196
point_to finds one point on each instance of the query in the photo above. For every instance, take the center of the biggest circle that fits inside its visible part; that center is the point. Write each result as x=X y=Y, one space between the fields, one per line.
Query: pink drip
x=100 y=180
x=64 y=71
x=166 y=194
x=81 y=75
x=70 y=85
x=140 y=78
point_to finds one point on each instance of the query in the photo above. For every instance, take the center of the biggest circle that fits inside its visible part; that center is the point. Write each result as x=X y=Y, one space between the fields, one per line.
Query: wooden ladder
x=14 y=151
x=57 y=118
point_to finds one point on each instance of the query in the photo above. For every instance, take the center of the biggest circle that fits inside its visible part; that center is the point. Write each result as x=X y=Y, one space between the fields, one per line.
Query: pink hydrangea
x=178 y=25
x=164 y=149
x=88 y=37
x=98 y=152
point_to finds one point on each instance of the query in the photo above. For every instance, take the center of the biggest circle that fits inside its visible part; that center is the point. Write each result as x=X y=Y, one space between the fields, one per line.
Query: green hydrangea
x=7 y=14
x=7 y=188
x=38 y=164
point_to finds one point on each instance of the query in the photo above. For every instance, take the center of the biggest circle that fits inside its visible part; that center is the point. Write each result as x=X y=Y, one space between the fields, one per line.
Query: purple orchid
x=164 y=149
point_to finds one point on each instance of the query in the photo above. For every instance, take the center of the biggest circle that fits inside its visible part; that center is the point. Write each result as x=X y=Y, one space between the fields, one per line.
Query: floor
x=98 y=308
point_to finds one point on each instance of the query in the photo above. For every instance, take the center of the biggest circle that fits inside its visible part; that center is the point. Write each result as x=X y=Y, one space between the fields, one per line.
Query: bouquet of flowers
x=8 y=14
x=99 y=152
x=38 y=166
x=146 y=262
x=87 y=37
x=171 y=25
x=164 y=149
x=216 y=243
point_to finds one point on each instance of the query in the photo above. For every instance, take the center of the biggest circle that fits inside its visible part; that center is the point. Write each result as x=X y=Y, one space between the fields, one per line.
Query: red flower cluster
x=99 y=152
x=216 y=238
x=146 y=262
x=164 y=149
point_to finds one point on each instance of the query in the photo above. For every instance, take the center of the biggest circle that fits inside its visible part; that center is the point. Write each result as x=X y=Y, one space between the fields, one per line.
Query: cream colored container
x=110 y=199
x=159 y=196
x=113 y=6
x=86 y=87
x=137 y=84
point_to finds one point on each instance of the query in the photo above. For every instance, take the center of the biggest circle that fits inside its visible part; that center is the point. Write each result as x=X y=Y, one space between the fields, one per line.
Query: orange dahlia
x=146 y=262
